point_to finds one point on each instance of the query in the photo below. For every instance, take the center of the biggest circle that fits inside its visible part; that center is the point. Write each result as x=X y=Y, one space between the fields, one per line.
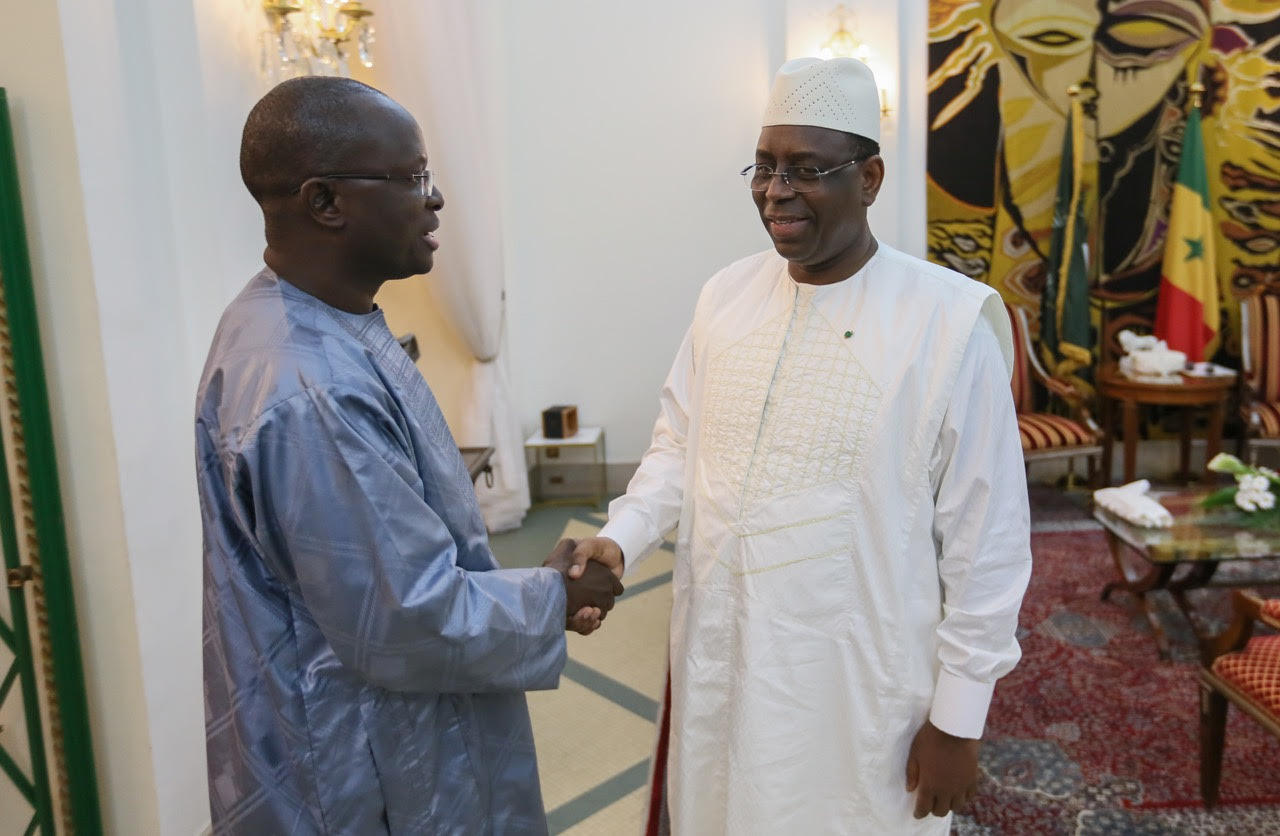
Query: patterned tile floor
x=596 y=733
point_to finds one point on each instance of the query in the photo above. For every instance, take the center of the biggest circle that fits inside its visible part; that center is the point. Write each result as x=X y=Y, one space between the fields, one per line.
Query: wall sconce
x=844 y=44
x=313 y=37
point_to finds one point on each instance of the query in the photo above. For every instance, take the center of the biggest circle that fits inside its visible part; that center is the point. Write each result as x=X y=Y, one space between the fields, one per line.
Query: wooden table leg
x=1157 y=577
x=1213 y=440
x=1108 y=439
x=1197 y=577
x=1184 y=446
x=1130 y=409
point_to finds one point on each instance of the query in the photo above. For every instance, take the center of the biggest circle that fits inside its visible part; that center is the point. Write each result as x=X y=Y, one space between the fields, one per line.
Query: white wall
x=626 y=126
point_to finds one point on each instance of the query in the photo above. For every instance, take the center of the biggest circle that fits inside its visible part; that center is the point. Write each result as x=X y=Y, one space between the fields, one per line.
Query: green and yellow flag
x=1187 y=311
x=1064 y=305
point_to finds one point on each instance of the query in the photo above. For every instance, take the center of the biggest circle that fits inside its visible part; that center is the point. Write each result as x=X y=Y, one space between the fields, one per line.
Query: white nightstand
x=592 y=437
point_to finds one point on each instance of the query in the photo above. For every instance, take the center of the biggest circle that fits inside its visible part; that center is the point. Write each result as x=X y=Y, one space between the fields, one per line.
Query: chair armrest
x=1062 y=389
x=1057 y=387
x=1246 y=609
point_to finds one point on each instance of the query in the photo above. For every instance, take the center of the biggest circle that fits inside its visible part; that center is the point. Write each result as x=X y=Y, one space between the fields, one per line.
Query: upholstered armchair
x=1047 y=435
x=1260 y=383
x=1241 y=669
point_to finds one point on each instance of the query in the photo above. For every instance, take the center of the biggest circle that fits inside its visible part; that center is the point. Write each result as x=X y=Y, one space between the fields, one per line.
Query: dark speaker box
x=560 y=422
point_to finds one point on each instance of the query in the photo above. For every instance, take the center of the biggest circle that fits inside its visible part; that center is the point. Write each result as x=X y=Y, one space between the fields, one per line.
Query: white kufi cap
x=840 y=94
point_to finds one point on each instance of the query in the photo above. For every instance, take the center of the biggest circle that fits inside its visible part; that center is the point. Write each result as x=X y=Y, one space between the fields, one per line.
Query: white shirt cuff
x=628 y=531
x=960 y=705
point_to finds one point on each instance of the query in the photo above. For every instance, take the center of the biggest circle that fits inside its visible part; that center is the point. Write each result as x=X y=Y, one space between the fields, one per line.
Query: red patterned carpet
x=1092 y=733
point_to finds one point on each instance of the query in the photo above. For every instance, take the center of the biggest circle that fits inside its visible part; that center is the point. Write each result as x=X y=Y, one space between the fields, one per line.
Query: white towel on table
x=1131 y=504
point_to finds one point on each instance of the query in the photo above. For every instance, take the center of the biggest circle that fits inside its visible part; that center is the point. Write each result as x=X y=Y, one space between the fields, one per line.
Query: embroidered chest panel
x=788 y=407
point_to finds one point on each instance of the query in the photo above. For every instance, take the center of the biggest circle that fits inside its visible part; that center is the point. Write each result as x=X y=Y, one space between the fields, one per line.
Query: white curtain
x=438 y=59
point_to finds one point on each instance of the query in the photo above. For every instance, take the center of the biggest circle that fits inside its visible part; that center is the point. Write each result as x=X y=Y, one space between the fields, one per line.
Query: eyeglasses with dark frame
x=799 y=178
x=426 y=179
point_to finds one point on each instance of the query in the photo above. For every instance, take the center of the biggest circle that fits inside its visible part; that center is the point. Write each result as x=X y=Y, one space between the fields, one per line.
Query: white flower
x=1253 y=484
x=1244 y=499
x=1269 y=473
x=1266 y=500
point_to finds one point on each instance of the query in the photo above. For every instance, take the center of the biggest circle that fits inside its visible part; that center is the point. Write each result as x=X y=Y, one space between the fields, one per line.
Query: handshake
x=590 y=569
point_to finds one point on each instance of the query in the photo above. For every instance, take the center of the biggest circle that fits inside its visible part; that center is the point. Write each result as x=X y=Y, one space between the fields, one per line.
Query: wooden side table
x=1192 y=392
x=592 y=437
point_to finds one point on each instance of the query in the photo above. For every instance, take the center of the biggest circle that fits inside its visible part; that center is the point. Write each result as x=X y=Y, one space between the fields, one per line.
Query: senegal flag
x=1187 y=312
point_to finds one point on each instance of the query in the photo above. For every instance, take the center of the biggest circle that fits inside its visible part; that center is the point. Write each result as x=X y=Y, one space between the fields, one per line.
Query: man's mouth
x=786 y=226
x=432 y=241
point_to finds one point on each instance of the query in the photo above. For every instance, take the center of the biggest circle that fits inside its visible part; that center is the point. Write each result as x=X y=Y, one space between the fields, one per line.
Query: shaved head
x=305 y=127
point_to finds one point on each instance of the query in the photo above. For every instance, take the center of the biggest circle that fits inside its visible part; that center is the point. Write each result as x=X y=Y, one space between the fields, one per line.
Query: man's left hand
x=942 y=770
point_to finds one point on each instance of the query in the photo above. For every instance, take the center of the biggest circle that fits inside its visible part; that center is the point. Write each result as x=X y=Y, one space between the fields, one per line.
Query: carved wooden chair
x=1241 y=669
x=1260 y=381
x=1046 y=435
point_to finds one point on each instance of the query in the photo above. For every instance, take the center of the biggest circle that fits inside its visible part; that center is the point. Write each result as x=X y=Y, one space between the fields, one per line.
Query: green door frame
x=39 y=501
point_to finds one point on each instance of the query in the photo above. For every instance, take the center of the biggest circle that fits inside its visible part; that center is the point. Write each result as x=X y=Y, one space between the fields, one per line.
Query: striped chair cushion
x=1262 y=349
x=1023 y=396
x=1271 y=611
x=1048 y=432
x=1254 y=672
x=1267 y=423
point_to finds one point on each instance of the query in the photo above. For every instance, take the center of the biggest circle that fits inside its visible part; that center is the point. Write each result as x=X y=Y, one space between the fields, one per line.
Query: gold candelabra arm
x=355 y=11
x=278 y=10
x=347 y=21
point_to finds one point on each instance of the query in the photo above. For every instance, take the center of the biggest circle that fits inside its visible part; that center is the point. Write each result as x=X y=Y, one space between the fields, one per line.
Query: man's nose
x=435 y=201
x=778 y=189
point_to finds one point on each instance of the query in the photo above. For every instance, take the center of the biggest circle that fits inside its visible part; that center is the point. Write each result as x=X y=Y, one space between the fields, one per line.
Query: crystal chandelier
x=314 y=37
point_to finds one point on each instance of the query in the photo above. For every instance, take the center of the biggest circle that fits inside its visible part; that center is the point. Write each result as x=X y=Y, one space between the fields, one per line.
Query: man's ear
x=872 y=179
x=323 y=203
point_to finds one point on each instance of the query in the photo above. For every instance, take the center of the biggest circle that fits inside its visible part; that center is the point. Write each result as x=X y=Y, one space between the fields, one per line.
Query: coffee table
x=1198 y=542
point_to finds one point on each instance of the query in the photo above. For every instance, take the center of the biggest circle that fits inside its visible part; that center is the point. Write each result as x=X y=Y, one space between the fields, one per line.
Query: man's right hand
x=594 y=589
x=600 y=550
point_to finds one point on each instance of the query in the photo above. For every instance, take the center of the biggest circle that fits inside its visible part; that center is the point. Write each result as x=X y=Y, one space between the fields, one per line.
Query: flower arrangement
x=1254 y=491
